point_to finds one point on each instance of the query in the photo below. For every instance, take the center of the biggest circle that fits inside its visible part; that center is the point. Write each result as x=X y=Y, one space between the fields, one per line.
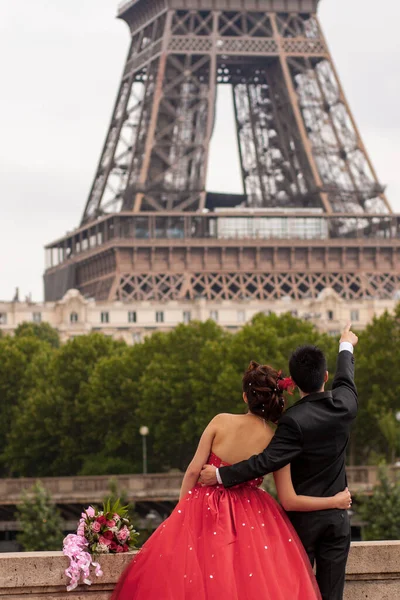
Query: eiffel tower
x=313 y=213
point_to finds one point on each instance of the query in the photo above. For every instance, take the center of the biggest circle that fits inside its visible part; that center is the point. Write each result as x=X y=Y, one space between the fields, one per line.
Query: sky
x=60 y=66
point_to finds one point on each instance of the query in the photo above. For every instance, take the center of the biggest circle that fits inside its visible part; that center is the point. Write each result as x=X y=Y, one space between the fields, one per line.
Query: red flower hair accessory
x=285 y=384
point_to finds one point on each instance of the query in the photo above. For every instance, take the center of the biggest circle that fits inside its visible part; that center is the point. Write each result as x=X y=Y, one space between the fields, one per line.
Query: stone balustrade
x=76 y=490
x=373 y=572
x=154 y=486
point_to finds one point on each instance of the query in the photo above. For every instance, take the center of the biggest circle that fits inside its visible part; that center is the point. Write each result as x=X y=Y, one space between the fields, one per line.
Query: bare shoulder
x=224 y=416
x=221 y=418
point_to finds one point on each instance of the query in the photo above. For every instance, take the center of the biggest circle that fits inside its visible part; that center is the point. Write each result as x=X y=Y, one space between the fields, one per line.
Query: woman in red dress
x=237 y=543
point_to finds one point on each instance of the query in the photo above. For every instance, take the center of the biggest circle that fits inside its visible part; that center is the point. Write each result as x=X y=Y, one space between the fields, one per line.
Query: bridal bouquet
x=99 y=532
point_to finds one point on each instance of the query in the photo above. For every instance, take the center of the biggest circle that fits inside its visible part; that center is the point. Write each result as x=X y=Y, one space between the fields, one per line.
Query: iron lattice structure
x=144 y=233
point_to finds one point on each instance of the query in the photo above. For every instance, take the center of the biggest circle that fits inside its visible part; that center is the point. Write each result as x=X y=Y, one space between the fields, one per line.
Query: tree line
x=76 y=408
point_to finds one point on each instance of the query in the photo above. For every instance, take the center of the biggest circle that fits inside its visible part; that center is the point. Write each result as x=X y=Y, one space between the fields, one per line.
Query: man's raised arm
x=286 y=444
x=344 y=376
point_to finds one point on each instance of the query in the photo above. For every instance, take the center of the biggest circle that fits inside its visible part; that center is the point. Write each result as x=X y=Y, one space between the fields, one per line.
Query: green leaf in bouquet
x=107 y=508
x=116 y=508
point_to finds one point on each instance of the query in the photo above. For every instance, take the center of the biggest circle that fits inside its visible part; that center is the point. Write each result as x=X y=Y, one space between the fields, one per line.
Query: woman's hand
x=343 y=499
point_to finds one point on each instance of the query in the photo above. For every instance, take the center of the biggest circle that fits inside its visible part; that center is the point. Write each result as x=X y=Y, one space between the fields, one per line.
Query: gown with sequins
x=221 y=544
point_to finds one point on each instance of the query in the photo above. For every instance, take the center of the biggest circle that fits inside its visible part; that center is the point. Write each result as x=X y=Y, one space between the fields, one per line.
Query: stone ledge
x=41 y=575
x=373 y=572
x=377 y=559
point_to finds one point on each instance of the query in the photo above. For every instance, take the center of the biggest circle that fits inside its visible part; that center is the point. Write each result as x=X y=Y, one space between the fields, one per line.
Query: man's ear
x=326 y=376
x=245 y=397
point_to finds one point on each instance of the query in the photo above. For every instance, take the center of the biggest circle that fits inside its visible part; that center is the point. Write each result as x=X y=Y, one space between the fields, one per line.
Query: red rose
x=108 y=535
x=114 y=547
x=102 y=520
x=119 y=549
x=125 y=548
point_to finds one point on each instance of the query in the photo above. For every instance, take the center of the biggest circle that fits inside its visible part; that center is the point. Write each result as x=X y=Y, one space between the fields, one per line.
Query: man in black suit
x=312 y=436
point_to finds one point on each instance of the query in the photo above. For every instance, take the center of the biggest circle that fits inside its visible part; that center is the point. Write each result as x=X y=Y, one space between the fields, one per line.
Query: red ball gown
x=221 y=544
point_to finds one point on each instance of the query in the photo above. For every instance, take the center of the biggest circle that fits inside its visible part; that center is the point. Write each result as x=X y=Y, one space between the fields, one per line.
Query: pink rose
x=90 y=512
x=96 y=527
x=119 y=549
x=110 y=524
x=105 y=541
x=123 y=534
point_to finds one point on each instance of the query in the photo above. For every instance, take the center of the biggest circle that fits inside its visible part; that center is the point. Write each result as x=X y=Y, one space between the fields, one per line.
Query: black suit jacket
x=312 y=435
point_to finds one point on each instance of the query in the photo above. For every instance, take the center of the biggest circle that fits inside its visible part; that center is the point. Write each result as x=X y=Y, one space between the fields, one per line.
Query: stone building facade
x=75 y=315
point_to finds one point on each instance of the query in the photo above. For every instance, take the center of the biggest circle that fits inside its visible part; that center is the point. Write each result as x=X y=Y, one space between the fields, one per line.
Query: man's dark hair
x=307 y=367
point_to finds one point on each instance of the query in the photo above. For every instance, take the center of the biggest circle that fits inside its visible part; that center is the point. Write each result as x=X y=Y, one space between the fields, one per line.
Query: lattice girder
x=145 y=234
x=342 y=161
x=239 y=286
x=299 y=145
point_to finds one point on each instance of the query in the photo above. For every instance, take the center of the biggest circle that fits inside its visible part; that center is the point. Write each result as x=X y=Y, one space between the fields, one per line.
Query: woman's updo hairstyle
x=264 y=387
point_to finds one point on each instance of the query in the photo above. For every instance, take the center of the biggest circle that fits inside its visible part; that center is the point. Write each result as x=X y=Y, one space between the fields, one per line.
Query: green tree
x=266 y=339
x=83 y=404
x=112 y=398
x=71 y=370
x=41 y=331
x=112 y=428
x=41 y=523
x=378 y=383
x=12 y=368
x=78 y=408
x=381 y=510
x=28 y=419
x=19 y=358
x=390 y=429
x=166 y=393
x=33 y=442
x=49 y=432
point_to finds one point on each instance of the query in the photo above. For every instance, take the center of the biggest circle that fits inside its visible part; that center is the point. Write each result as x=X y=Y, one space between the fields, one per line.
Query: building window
x=37 y=317
x=105 y=317
x=132 y=317
x=3 y=318
x=187 y=316
x=73 y=317
x=241 y=316
x=159 y=316
x=354 y=315
x=136 y=337
x=330 y=315
x=214 y=315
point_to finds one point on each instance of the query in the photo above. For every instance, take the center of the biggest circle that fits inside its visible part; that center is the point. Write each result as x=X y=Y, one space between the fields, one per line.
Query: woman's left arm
x=200 y=458
x=291 y=501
